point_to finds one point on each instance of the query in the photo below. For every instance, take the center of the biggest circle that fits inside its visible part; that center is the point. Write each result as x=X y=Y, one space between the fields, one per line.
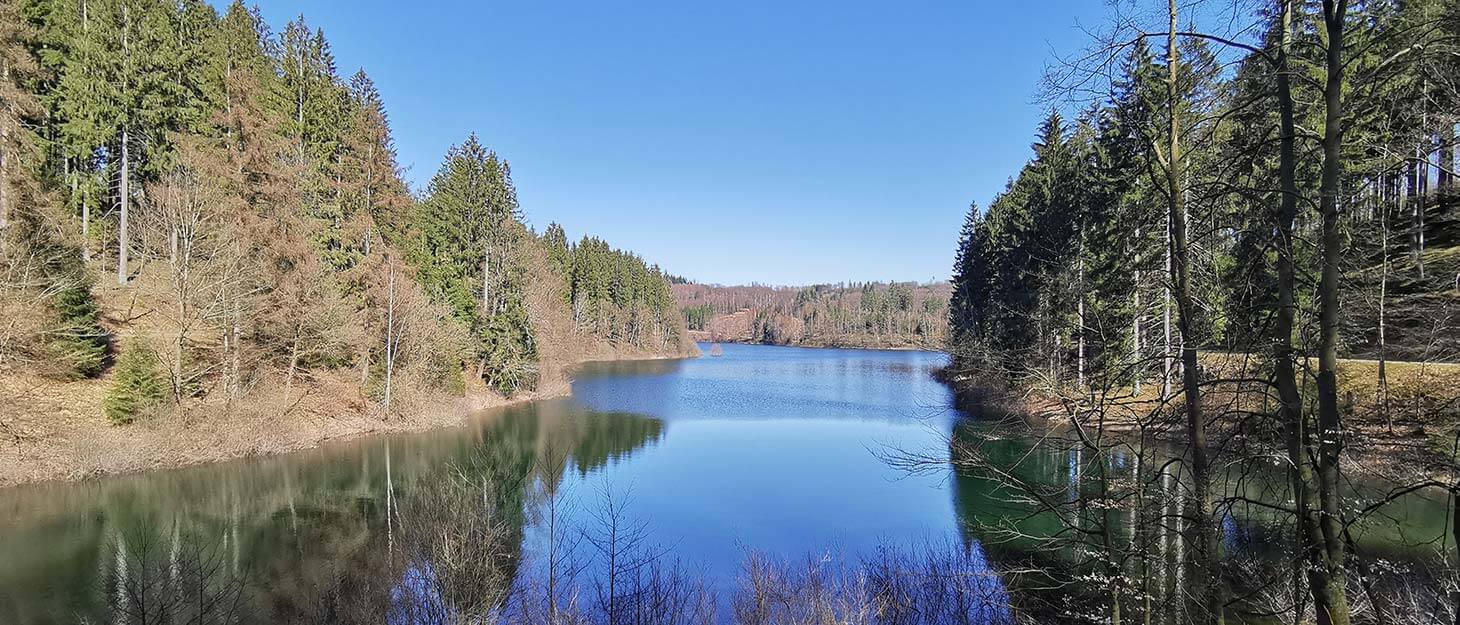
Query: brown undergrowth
x=1408 y=425
x=54 y=429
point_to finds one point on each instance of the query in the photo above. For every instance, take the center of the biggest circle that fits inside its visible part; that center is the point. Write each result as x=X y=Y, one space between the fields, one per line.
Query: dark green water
x=774 y=449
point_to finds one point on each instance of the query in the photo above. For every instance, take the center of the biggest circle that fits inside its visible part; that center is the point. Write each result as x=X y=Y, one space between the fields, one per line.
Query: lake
x=773 y=450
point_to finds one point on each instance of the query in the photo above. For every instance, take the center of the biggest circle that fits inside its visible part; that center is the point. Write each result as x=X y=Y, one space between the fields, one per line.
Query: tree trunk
x=389 y=339
x=126 y=197
x=1290 y=407
x=1446 y=167
x=1419 y=208
x=1383 y=398
x=1204 y=523
x=293 y=356
x=1138 y=360
x=1166 y=318
x=1080 y=347
x=1411 y=195
x=85 y=223
x=1327 y=581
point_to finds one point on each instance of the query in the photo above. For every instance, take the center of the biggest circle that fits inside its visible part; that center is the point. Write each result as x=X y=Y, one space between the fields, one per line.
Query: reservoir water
x=777 y=451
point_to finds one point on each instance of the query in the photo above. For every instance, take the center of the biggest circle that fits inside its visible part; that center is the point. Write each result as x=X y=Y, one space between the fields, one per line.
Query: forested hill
x=1072 y=265
x=879 y=315
x=1207 y=256
x=199 y=216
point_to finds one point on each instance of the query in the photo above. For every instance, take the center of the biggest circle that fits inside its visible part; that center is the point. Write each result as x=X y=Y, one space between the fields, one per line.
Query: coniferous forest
x=1238 y=247
x=197 y=211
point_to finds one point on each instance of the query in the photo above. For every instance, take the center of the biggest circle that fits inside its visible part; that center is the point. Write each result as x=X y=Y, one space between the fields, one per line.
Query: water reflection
x=298 y=522
x=772 y=449
x=1080 y=529
x=766 y=450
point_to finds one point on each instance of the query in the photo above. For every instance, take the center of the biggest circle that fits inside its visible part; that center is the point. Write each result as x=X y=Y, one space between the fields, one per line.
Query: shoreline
x=824 y=346
x=1373 y=447
x=71 y=444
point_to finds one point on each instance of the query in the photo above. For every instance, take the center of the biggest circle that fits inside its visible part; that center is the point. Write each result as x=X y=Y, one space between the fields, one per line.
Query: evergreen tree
x=137 y=385
x=467 y=224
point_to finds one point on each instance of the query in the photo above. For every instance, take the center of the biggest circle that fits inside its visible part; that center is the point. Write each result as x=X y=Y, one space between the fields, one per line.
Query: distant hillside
x=877 y=315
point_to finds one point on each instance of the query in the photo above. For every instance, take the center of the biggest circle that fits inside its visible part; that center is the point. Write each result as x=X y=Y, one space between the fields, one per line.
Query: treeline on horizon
x=245 y=199
x=1284 y=195
x=855 y=314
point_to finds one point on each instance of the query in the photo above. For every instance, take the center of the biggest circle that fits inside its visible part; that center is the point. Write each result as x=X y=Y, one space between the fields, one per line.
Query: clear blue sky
x=769 y=141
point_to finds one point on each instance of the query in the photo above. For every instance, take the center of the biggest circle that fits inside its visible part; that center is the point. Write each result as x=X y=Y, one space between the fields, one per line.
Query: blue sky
x=734 y=142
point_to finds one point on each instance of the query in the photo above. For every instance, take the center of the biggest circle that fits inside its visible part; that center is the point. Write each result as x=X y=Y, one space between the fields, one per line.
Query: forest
x=870 y=314
x=201 y=218
x=1239 y=248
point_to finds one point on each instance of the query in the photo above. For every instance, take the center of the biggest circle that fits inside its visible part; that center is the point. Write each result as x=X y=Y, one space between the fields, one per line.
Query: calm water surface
x=771 y=448
x=774 y=449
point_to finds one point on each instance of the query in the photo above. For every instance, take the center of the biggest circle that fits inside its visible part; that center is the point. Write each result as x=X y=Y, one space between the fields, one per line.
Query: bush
x=138 y=385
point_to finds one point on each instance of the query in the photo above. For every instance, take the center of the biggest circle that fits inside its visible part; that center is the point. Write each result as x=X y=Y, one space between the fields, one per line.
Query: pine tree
x=467 y=224
x=137 y=385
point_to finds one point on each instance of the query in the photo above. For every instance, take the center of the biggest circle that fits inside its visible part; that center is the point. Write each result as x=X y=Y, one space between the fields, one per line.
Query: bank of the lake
x=1414 y=437
x=57 y=430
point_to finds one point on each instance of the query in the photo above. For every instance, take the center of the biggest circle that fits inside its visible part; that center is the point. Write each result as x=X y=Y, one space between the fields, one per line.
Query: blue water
x=774 y=449
x=778 y=449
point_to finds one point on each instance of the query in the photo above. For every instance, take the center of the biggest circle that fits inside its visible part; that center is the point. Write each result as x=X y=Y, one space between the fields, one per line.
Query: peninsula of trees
x=204 y=233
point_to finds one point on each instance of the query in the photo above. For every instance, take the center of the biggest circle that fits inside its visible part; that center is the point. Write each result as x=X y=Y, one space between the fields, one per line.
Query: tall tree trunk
x=1138 y=360
x=126 y=198
x=1290 y=407
x=1383 y=398
x=293 y=355
x=1411 y=182
x=85 y=222
x=1204 y=522
x=1166 y=318
x=1328 y=580
x=1080 y=312
x=389 y=339
x=1446 y=167
x=1420 y=207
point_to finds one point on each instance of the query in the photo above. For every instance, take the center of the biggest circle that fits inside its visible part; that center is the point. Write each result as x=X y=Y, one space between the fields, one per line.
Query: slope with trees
x=203 y=228
x=1201 y=260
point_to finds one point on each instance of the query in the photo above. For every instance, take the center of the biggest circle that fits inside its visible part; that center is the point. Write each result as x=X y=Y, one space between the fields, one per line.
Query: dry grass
x=1414 y=424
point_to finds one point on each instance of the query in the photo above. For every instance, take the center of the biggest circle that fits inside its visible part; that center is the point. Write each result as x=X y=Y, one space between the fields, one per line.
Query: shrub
x=138 y=385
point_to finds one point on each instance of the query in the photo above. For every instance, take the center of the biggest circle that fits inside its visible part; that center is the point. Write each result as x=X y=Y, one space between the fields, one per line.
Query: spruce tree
x=137 y=385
